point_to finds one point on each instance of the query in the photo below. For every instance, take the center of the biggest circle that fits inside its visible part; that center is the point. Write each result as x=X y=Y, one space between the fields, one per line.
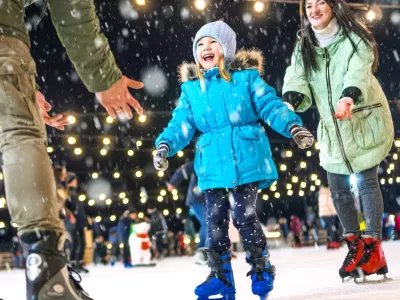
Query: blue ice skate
x=262 y=272
x=220 y=281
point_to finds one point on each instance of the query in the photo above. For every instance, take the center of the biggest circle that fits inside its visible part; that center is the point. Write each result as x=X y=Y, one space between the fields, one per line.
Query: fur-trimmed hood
x=244 y=60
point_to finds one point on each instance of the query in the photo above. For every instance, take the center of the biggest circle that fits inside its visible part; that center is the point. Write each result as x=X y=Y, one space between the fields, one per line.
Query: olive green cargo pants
x=28 y=174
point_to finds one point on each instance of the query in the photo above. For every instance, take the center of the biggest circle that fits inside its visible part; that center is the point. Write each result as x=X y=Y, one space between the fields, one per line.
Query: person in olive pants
x=28 y=175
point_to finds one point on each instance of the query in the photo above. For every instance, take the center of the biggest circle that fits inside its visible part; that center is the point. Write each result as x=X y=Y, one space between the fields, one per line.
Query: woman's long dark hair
x=347 y=20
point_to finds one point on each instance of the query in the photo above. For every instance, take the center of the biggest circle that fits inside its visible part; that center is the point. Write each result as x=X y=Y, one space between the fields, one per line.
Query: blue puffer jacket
x=233 y=148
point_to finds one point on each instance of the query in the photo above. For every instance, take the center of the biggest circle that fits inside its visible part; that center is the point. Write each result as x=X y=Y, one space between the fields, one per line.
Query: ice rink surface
x=305 y=273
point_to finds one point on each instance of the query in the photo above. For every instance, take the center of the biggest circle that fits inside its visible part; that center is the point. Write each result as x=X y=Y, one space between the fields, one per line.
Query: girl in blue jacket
x=223 y=97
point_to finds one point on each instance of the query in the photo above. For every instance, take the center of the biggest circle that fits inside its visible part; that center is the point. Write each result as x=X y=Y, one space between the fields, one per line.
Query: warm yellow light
x=141 y=2
x=314 y=177
x=179 y=211
x=166 y=212
x=397 y=143
x=122 y=195
x=277 y=195
x=259 y=6
x=303 y=165
x=398 y=179
x=180 y=153
x=388 y=171
x=91 y=202
x=272 y=234
x=395 y=156
x=98 y=219
x=317 y=146
x=72 y=140
x=82 y=197
x=131 y=152
x=290 y=192
x=106 y=141
x=113 y=218
x=108 y=202
x=200 y=4
x=109 y=246
x=139 y=143
x=175 y=197
x=143 y=200
x=265 y=197
x=303 y=185
x=273 y=188
x=142 y=118
x=50 y=149
x=390 y=180
x=1 y=176
x=121 y=245
x=109 y=120
x=71 y=119
x=197 y=239
x=140 y=215
x=289 y=153
x=102 y=197
x=391 y=166
x=2 y=225
x=283 y=167
x=289 y=186
x=138 y=174
x=309 y=153
x=301 y=193
x=383 y=180
x=163 y=192
x=312 y=188
x=117 y=175
x=95 y=175
x=160 y=198
x=103 y=151
x=186 y=241
x=371 y=15
x=125 y=201
x=295 y=179
x=15 y=225
x=317 y=182
x=160 y=173
x=78 y=151
x=2 y=202
x=174 y=192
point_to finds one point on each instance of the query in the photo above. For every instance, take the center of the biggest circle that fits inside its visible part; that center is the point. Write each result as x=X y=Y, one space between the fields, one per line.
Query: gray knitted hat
x=223 y=34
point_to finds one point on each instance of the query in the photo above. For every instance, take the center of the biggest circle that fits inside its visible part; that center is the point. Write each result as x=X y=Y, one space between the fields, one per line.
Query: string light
x=117 y=175
x=301 y=193
x=166 y=212
x=103 y=152
x=390 y=180
x=131 y=152
x=2 y=225
x=295 y=179
x=317 y=182
x=314 y=177
x=391 y=166
x=71 y=119
x=309 y=153
x=140 y=215
x=289 y=153
x=200 y=4
x=283 y=167
x=141 y=2
x=109 y=120
x=160 y=173
x=106 y=141
x=82 y=197
x=72 y=140
x=125 y=201
x=113 y=218
x=303 y=185
x=139 y=143
x=78 y=151
x=303 y=165
x=1 y=176
x=95 y=175
x=50 y=149
x=2 y=202
x=312 y=188
x=180 y=154
x=143 y=200
x=138 y=174
x=179 y=211
x=142 y=118
x=174 y=192
x=259 y=6
x=290 y=192
x=289 y=186
x=265 y=197
x=108 y=202
x=163 y=192
x=102 y=197
x=273 y=188
x=91 y=202
x=277 y=195
x=160 y=198
x=175 y=197
x=122 y=195
x=98 y=219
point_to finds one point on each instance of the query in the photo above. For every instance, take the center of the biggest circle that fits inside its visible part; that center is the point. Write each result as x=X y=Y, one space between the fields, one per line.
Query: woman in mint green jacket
x=333 y=62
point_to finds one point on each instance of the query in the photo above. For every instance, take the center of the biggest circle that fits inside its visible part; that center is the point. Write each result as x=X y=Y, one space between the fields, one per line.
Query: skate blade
x=364 y=280
x=218 y=297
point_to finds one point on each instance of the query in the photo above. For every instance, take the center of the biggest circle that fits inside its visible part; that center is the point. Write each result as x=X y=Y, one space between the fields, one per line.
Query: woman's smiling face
x=319 y=13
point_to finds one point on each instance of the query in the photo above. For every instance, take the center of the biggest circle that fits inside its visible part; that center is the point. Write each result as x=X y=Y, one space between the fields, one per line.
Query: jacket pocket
x=323 y=137
x=203 y=162
x=369 y=126
x=250 y=146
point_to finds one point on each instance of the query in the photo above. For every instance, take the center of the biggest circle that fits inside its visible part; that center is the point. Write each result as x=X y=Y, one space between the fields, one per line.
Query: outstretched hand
x=117 y=100
x=58 y=121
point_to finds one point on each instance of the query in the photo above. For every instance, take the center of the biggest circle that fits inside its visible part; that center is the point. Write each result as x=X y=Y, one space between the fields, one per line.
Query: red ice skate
x=353 y=257
x=373 y=261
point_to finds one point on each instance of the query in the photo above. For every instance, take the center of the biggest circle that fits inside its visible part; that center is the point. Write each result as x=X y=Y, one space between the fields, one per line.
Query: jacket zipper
x=367 y=107
x=338 y=135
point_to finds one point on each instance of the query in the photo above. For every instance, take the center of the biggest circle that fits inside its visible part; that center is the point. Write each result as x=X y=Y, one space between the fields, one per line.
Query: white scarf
x=327 y=35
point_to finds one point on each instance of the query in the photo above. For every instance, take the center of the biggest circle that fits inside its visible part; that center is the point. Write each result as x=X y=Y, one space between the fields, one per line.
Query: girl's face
x=319 y=13
x=208 y=51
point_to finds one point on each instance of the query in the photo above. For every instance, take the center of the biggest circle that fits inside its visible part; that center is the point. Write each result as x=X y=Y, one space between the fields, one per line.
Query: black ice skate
x=47 y=274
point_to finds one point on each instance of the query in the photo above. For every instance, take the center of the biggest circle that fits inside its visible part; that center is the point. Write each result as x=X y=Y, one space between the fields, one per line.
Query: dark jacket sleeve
x=183 y=173
x=78 y=27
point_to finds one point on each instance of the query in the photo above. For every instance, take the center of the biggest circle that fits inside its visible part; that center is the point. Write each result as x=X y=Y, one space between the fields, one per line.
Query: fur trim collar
x=244 y=60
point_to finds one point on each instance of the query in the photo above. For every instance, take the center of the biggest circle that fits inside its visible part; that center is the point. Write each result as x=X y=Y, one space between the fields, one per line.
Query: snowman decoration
x=139 y=242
